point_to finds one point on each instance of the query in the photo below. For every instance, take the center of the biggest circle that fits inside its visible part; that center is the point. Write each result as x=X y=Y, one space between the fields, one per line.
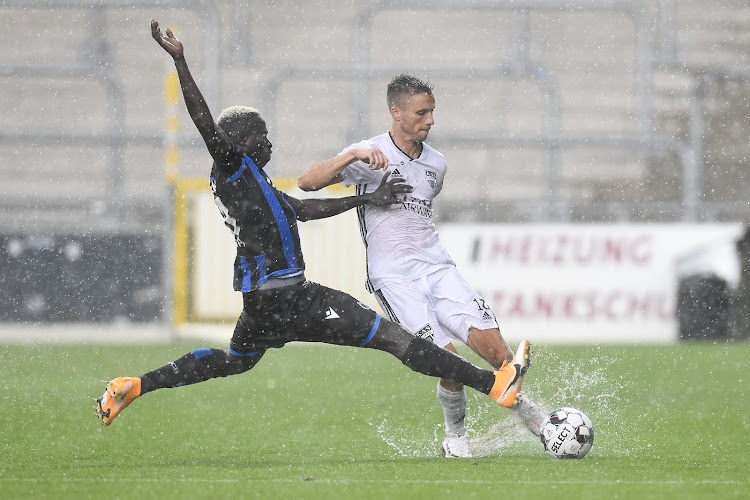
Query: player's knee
x=240 y=363
x=391 y=338
x=450 y=385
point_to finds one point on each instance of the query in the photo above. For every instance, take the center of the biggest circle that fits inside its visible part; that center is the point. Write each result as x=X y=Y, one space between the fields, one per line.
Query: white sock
x=454 y=410
x=531 y=413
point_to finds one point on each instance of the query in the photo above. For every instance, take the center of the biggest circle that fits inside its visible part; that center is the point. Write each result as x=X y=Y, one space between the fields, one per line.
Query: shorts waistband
x=272 y=283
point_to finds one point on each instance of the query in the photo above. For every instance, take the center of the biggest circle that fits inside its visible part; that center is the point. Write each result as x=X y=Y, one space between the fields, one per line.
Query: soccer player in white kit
x=413 y=278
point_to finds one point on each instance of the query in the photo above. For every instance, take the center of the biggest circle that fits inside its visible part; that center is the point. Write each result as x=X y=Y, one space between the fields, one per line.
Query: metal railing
x=518 y=65
x=114 y=136
x=549 y=139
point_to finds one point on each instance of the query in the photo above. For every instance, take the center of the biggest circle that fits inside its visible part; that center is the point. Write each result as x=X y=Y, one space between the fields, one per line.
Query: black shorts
x=306 y=312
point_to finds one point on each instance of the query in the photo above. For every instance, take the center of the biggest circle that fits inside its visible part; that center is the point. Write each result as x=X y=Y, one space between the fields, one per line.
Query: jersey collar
x=402 y=151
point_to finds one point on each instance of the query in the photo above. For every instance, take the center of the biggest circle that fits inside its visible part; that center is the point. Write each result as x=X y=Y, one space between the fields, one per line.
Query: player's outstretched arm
x=216 y=140
x=328 y=172
x=387 y=193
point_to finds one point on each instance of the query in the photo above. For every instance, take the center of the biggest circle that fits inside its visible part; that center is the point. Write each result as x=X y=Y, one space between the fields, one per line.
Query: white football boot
x=456 y=446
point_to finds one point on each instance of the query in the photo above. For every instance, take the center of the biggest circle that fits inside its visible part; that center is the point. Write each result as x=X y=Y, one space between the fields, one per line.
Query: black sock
x=197 y=366
x=425 y=357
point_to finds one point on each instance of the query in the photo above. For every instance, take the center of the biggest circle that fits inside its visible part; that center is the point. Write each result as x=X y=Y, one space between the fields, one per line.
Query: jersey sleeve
x=358 y=172
x=443 y=171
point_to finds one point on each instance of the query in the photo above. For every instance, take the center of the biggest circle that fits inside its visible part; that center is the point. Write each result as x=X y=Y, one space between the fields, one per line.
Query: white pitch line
x=374 y=481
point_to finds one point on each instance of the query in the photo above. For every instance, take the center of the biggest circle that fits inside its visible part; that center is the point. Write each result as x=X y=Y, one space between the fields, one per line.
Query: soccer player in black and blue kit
x=279 y=304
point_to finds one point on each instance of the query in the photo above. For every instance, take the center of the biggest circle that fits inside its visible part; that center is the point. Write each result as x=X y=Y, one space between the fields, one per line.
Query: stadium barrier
x=590 y=283
x=75 y=278
x=569 y=283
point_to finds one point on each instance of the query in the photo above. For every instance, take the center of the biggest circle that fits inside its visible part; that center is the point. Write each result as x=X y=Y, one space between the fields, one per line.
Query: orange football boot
x=509 y=377
x=119 y=394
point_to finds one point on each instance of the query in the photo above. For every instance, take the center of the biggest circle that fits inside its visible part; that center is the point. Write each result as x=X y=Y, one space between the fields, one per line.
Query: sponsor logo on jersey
x=418 y=206
x=426 y=333
x=486 y=315
x=395 y=172
x=331 y=314
x=431 y=178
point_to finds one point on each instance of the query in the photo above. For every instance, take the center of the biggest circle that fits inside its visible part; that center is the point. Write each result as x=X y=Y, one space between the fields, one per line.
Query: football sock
x=425 y=357
x=454 y=409
x=197 y=366
x=530 y=413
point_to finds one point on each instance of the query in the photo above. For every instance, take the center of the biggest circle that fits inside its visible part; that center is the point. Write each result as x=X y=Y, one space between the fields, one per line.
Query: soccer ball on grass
x=567 y=433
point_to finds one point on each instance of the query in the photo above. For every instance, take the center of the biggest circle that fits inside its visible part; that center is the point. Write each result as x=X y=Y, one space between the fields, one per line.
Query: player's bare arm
x=328 y=172
x=218 y=144
x=388 y=193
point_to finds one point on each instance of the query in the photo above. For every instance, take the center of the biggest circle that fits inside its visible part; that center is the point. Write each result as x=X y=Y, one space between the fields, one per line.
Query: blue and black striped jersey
x=263 y=223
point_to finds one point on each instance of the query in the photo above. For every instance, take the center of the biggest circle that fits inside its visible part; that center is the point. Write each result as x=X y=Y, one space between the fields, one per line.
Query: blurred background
x=553 y=115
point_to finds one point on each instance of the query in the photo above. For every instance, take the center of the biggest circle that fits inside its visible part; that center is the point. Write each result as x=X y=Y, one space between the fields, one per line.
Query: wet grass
x=329 y=422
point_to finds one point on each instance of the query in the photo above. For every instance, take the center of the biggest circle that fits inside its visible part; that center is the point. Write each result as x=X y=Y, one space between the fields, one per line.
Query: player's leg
x=490 y=345
x=198 y=366
x=194 y=367
x=409 y=305
x=464 y=313
x=468 y=317
x=425 y=357
x=530 y=413
x=355 y=324
x=452 y=398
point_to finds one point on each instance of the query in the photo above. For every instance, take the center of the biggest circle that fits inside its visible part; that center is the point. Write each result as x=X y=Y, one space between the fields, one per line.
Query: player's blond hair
x=235 y=121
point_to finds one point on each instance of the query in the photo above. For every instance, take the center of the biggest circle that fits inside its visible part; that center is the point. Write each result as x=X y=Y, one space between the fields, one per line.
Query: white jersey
x=401 y=241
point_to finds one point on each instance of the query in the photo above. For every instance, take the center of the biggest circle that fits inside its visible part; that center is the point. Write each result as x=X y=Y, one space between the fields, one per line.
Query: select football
x=567 y=433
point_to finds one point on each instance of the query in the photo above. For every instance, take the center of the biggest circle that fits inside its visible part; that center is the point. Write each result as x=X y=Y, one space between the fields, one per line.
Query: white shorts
x=436 y=306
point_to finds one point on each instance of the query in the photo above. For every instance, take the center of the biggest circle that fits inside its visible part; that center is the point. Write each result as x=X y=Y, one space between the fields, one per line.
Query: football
x=567 y=433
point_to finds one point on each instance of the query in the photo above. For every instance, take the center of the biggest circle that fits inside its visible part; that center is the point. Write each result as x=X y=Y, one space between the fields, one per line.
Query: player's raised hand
x=389 y=190
x=169 y=43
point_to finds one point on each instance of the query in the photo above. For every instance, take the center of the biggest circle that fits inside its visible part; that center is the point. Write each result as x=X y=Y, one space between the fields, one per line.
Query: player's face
x=416 y=116
x=256 y=144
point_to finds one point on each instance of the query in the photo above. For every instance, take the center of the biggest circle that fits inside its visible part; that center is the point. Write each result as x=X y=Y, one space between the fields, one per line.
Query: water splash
x=405 y=442
x=580 y=383
x=497 y=438
x=586 y=383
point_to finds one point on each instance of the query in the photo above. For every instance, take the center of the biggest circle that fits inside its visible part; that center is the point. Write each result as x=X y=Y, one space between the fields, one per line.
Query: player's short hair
x=405 y=85
x=236 y=121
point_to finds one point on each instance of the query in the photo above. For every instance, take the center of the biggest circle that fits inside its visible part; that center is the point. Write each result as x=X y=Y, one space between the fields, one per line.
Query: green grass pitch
x=671 y=421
